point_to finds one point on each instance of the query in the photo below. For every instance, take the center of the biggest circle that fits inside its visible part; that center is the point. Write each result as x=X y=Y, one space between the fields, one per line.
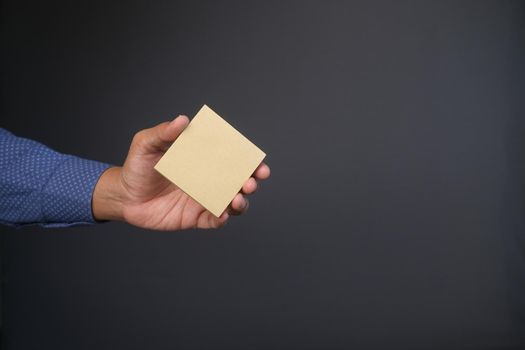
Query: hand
x=138 y=194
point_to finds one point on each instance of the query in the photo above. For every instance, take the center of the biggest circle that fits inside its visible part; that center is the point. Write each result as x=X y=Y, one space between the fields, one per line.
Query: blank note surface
x=210 y=161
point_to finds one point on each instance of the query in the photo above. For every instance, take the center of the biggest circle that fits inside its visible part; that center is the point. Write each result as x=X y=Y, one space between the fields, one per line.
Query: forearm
x=41 y=186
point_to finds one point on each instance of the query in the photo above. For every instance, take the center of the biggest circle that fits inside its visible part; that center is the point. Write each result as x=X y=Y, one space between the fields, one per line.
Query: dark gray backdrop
x=394 y=212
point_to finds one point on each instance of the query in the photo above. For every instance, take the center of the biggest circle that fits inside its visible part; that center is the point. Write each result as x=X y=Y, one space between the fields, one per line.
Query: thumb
x=160 y=137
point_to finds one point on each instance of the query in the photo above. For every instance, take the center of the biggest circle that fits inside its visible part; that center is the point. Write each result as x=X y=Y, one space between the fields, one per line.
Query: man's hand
x=139 y=195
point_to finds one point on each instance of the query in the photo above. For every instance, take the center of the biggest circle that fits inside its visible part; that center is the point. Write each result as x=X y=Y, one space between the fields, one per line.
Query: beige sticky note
x=210 y=161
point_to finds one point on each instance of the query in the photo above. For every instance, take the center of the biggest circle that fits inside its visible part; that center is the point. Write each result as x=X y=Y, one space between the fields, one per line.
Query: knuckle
x=139 y=138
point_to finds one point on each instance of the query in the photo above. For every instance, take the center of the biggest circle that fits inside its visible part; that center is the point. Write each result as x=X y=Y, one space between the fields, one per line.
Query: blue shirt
x=41 y=186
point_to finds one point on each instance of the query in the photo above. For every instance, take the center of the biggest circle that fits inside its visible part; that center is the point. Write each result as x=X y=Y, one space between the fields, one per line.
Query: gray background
x=393 y=216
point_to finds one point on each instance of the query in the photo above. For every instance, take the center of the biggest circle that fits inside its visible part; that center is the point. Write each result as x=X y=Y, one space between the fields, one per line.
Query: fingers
x=250 y=186
x=239 y=205
x=208 y=220
x=221 y=220
x=160 y=137
x=173 y=130
x=262 y=172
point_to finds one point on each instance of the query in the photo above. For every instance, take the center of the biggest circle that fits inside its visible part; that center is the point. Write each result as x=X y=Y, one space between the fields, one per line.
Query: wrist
x=108 y=196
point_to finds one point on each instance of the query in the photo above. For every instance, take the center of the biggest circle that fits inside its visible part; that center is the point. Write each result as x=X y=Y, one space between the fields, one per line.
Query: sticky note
x=210 y=161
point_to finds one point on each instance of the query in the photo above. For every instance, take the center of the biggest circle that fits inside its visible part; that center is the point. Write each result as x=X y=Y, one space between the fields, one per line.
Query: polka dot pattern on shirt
x=41 y=186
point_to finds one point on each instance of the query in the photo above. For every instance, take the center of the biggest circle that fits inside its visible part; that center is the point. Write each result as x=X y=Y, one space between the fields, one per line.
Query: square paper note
x=210 y=161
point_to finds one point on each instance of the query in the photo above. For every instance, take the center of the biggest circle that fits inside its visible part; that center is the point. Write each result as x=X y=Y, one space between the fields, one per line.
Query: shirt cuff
x=67 y=196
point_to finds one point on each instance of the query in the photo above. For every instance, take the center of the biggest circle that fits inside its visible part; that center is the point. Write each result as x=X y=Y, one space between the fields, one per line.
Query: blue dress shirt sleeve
x=41 y=186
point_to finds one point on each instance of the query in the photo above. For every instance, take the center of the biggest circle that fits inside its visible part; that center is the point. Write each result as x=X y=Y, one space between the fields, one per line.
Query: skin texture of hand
x=137 y=194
